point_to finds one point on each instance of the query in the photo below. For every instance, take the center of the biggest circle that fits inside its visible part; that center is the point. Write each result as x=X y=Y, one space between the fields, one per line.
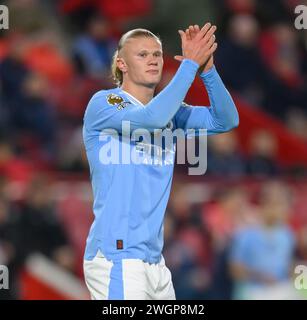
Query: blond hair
x=135 y=33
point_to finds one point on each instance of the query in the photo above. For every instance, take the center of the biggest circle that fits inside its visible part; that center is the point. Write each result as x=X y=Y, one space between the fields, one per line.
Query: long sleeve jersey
x=130 y=197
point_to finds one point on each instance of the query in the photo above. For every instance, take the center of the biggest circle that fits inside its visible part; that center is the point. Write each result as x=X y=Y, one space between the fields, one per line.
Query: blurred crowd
x=228 y=243
x=242 y=242
x=263 y=57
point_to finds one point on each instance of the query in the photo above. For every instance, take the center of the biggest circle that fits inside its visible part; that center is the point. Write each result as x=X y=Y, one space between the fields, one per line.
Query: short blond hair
x=135 y=33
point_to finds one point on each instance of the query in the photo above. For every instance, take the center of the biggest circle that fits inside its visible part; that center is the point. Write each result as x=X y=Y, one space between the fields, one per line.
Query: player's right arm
x=161 y=109
x=156 y=114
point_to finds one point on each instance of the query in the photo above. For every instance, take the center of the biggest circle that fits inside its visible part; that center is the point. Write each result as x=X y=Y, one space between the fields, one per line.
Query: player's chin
x=153 y=80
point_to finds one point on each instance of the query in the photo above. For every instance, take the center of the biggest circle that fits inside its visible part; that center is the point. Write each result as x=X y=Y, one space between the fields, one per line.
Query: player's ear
x=121 y=64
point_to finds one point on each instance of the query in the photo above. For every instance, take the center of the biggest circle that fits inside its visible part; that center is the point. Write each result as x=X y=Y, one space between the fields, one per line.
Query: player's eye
x=157 y=54
x=143 y=54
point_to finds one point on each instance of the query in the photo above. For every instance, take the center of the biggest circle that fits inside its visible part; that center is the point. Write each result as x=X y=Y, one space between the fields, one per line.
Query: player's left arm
x=222 y=114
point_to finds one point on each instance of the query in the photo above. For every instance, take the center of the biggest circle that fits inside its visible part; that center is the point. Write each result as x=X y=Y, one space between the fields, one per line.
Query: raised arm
x=220 y=116
x=160 y=110
x=156 y=114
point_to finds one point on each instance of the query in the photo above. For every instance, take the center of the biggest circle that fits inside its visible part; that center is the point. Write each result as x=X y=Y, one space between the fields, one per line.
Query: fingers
x=188 y=33
x=211 y=41
x=206 y=33
x=193 y=31
x=210 y=45
x=203 y=31
x=213 y=48
x=210 y=33
x=198 y=43
x=196 y=28
x=182 y=35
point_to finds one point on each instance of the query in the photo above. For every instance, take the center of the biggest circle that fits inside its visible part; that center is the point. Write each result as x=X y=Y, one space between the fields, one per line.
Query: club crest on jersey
x=116 y=100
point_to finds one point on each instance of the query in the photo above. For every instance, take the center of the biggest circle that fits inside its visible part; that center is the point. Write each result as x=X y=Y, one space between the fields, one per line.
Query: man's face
x=141 y=61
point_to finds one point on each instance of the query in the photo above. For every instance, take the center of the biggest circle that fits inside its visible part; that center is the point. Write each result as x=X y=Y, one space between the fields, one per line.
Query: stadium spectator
x=262 y=255
x=40 y=228
x=239 y=60
x=296 y=121
x=11 y=254
x=230 y=212
x=224 y=158
x=93 y=51
x=262 y=160
x=280 y=49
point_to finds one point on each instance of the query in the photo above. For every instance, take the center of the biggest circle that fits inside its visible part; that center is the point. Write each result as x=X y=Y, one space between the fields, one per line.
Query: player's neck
x=141 y=93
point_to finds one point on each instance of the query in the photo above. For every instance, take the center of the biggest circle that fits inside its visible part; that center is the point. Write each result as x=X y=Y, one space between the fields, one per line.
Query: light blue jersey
x=262 y=250
x=130 y=199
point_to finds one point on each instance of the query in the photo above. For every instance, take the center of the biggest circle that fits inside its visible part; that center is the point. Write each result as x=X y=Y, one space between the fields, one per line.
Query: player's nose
x=152 y=62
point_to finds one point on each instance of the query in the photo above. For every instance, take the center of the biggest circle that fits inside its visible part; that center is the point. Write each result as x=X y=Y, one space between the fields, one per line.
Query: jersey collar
x=132 y=98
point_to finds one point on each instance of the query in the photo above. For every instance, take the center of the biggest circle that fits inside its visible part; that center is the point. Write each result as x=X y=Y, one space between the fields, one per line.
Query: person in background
x=261 y=255
x=92 y=51
x=262 y=160
x=224 y=157
x=230 y=212
x=40 y=227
